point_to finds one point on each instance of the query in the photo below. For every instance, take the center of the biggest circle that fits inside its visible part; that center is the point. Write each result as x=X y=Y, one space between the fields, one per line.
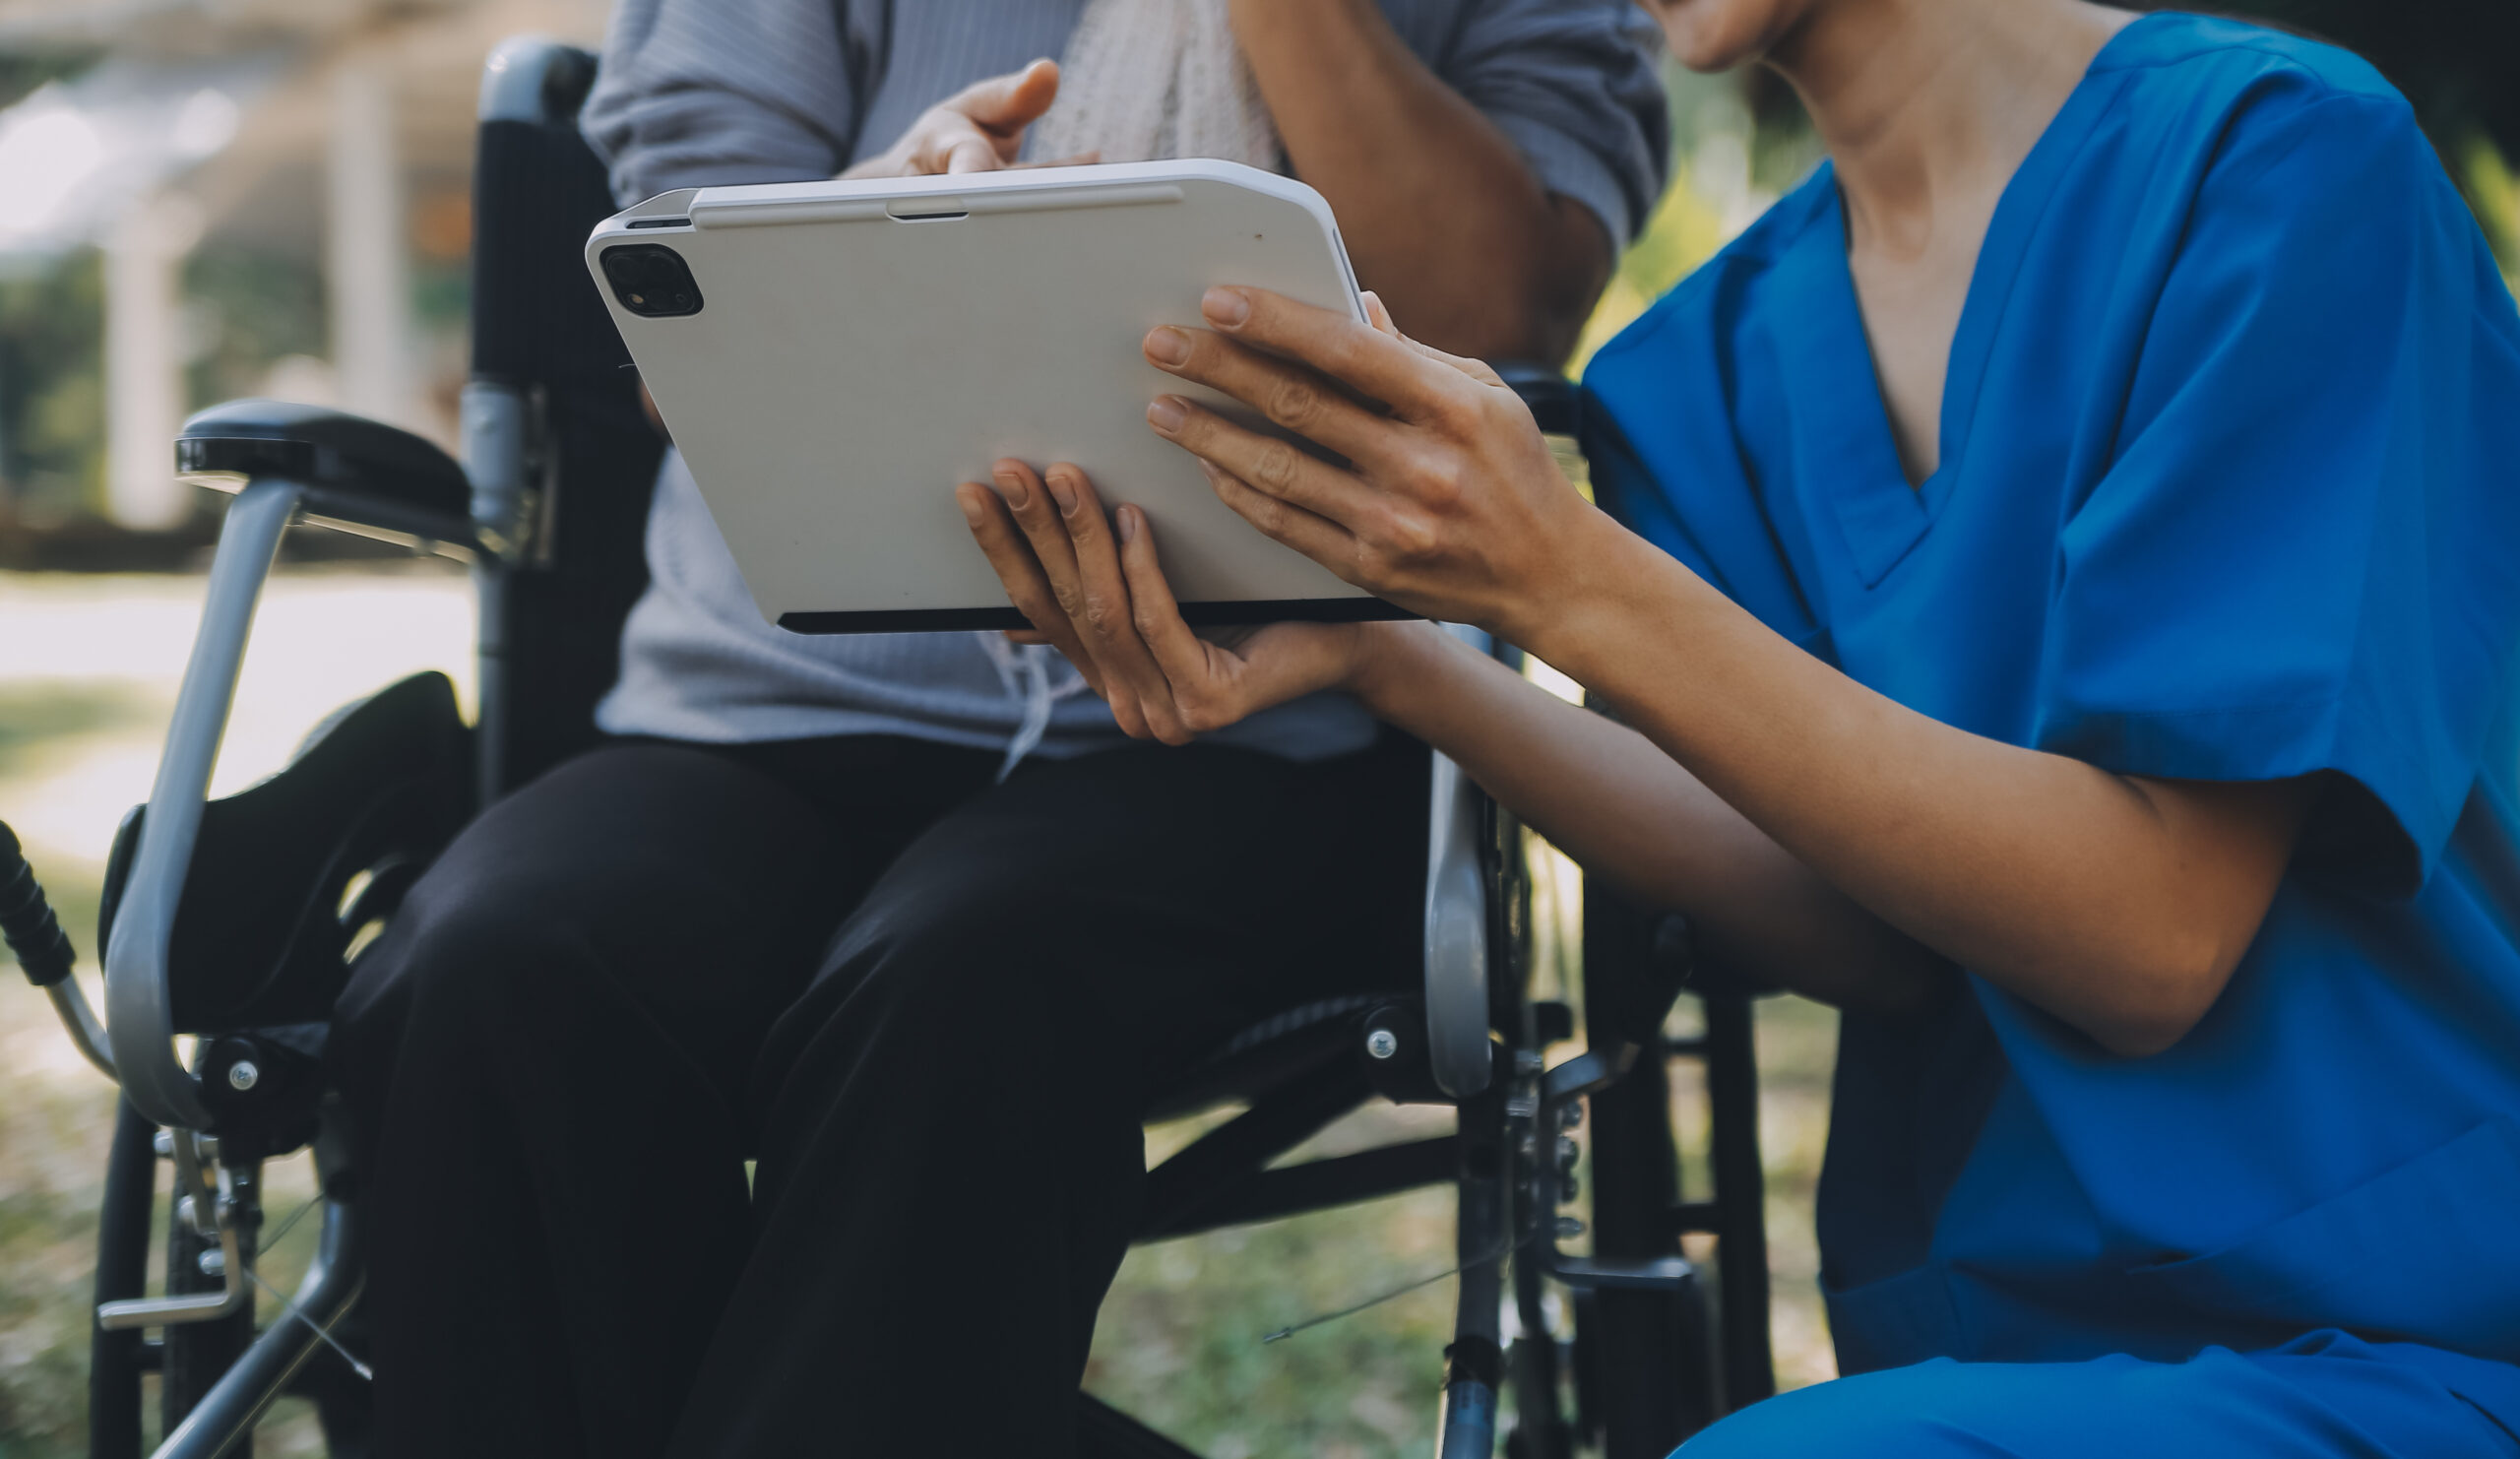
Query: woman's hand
x=1090 y=583
x=977 y=128
x=1449 y=503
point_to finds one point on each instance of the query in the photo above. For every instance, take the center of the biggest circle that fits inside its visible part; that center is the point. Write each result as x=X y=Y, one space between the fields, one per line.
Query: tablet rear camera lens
x=651 y=280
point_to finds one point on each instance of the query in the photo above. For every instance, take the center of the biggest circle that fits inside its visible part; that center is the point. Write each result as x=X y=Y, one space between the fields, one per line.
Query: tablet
x=833 y=358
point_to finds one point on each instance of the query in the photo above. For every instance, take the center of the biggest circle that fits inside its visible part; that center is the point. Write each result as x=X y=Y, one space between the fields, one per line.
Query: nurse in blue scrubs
x=2060 y=582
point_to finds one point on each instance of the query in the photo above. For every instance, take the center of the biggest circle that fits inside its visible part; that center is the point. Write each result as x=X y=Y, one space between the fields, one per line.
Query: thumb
x=1377 y=314
x=1010 y=103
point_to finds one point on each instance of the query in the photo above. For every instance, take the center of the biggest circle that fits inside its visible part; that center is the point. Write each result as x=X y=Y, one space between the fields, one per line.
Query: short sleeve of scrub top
x=2230 y=489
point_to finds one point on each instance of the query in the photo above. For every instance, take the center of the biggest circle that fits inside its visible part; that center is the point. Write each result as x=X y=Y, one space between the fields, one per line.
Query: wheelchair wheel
x=196 y=1355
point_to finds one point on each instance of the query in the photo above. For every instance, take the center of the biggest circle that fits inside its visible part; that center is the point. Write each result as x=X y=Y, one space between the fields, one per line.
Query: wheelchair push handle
x=27 y=922
x=44 y=951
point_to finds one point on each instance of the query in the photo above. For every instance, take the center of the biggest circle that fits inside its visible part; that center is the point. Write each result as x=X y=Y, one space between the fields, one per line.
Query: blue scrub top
x=2230 y=489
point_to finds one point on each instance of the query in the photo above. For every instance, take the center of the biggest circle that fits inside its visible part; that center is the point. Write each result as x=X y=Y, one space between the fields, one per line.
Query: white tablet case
x=860 y=348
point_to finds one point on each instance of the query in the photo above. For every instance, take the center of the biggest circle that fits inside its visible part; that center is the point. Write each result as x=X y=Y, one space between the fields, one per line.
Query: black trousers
x=931 y=1008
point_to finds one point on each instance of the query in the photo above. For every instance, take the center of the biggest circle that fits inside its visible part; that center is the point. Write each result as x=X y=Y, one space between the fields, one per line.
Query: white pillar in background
x=144 y=259
x=367 y=281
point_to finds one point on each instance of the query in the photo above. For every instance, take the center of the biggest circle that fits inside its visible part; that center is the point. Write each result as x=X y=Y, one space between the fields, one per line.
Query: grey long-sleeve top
x=697 y=92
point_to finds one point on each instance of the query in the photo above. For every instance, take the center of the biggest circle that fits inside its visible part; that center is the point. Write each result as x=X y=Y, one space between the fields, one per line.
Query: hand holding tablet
x=1442 y=496
x=832 y=357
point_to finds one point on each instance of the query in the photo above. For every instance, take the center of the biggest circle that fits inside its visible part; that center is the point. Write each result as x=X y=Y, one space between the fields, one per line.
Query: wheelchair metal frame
x=1512 y=1159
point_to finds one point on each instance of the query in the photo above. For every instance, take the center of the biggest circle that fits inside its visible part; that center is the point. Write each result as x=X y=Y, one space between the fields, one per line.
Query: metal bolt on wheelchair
x=231 y=923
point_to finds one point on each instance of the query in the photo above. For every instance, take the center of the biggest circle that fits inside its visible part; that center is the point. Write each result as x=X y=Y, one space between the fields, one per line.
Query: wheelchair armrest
x=140 y=1019
x=282 y=460
x=1457 y=1008
x=352 y=472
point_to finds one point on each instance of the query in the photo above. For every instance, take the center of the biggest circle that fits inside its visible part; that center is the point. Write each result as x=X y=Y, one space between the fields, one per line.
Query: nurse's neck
x=1927 y=108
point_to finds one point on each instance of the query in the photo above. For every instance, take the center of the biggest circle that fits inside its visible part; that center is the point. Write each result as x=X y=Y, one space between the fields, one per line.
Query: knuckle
x=1408 y=538
x=1275 y=469
x=1458 y=411
x=1102 y=615
x=1439 y=480
x=1497 y=403
x=1293 y=403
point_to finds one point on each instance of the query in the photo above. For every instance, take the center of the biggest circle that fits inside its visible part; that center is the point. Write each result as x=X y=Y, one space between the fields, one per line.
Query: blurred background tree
x=2458 y=61
x=1741 y=139
x=257 y=318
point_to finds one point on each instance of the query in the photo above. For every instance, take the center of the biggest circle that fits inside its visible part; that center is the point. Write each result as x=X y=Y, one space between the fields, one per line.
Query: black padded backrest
x=537 y=323
x=288 y=870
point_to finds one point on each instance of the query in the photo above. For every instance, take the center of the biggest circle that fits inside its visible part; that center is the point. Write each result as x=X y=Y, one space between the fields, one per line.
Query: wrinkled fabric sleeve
x=2304 y=554
x=712 y=93
x=1575 y=85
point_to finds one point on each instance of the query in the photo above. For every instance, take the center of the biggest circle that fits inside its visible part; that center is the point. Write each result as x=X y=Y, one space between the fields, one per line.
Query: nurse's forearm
x=2117 y=903
x=1441 y=216
x=1607 y=797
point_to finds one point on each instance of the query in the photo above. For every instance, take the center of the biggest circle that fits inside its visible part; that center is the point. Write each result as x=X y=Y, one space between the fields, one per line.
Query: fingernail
x=1166 y=344
x=1062 y=493
x=971 y=508
x=1207 y=468
x=1016 y=494
x=1128 y=524
x=1224 y=306
x=1166 y=415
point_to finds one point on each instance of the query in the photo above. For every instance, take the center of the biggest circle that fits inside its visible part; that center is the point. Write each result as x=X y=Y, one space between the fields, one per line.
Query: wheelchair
x=231 y=924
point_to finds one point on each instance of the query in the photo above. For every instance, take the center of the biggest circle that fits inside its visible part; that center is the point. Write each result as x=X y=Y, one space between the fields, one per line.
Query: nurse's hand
x=1449 y=502
x=1090 y=582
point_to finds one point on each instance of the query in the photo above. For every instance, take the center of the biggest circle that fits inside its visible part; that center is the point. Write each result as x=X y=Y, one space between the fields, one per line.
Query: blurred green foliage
x=249 y=308
x=52 y=403
x=2458 y=62
x=442 y=294
x=1745 y=138
x=246 y=309
x=21 y=74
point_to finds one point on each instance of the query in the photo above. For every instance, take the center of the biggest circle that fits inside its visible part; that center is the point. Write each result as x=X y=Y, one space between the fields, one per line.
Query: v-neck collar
x=1847 y=453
